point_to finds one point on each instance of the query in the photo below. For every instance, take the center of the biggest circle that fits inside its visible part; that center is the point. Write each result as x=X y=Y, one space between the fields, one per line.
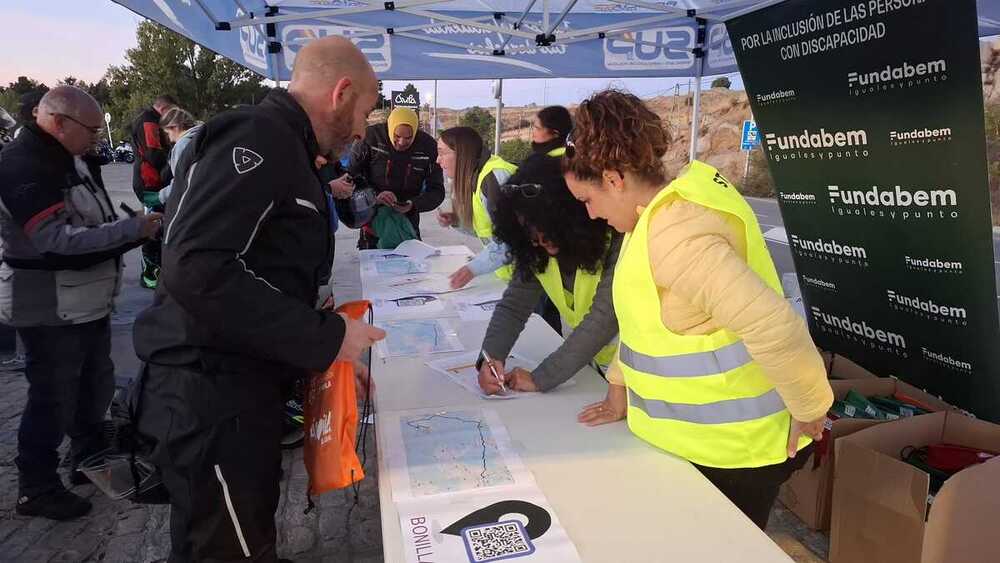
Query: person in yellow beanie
x=399 y=161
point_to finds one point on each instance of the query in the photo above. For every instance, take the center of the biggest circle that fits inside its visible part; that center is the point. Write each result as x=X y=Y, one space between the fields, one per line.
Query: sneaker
x=148 y=280
x=12 y=364
x=58 y=504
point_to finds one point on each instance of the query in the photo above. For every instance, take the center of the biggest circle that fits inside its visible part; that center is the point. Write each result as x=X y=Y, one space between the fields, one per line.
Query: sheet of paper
x=442 y=452
x=417 y=337
x=516 y=524
x=462 y=370
x=395 y=305
x=416 y=249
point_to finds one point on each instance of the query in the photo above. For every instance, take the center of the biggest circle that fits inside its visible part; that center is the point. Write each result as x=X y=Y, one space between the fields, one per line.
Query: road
x=769 y=217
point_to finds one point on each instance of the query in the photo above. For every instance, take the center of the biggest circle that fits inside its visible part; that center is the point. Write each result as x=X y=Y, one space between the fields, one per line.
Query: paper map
x=444 y=452
x=418 y=337
x=462 y=370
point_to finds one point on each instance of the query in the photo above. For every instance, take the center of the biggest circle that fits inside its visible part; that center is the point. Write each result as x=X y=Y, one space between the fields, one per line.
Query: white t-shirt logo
x=245 y=160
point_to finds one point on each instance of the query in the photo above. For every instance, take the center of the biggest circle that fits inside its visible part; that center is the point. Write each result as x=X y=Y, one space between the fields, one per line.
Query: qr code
x=493 y=542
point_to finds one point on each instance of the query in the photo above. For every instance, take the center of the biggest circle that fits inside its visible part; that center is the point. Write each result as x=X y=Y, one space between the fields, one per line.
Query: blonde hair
x=468 y=147
x=179 y=118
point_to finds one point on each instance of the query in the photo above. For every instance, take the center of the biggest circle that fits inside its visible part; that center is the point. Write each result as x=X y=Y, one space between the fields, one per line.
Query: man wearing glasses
x=62 y=244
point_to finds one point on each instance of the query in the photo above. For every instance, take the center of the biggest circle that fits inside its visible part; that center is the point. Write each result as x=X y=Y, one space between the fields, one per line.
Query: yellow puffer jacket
x=698 y=259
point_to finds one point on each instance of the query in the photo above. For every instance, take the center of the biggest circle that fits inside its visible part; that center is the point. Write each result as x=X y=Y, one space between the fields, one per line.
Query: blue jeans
x=71 y=383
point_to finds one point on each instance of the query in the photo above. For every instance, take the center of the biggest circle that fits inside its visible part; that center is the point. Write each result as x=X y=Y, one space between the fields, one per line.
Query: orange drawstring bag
x=331 y=422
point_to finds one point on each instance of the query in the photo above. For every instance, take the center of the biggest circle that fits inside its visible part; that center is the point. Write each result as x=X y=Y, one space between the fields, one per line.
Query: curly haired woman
x=559 y=252
x=713 y=365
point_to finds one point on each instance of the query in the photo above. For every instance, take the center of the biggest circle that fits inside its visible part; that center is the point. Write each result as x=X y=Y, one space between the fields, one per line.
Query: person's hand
x=387 y=198
x=799 y=428
x=403 y=208
x=358 y=337
x=520 y=379
x=611 y=409
x=342 y=187
x=461 y=277
x=487 y=381
x=362 y=381
x=447 y=218
x=150 y=224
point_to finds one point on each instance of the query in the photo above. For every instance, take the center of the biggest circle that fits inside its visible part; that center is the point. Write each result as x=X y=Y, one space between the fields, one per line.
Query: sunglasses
x=570 y=147
x=92 y=130
x=527 y=191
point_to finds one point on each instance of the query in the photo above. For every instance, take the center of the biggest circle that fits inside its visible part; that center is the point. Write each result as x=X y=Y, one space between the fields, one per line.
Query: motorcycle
x=124 y=153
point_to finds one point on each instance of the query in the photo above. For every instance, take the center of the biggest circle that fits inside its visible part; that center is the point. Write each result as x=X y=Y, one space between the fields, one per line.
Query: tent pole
x=434 y=125
x=499 y=124
x=696 y=111
x=699 y=64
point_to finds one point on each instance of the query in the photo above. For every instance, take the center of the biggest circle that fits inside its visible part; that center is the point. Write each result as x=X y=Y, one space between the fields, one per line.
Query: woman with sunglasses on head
x=559 y=252
x=476 y=177
x=713 y=365
x=549 y=129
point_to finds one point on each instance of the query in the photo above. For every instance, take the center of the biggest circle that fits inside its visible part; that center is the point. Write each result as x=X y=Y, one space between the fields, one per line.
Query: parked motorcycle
x=124 y=153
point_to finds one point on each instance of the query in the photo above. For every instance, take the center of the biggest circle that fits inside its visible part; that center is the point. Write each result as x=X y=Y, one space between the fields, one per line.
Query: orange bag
x=331 y=422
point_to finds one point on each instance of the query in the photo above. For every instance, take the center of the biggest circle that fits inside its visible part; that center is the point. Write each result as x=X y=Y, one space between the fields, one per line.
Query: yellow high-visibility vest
x=481 y=222
x=576 y=305
x=701 y=397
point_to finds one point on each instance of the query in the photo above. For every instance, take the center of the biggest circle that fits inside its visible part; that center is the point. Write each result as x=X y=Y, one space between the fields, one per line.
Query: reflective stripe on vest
x=557 y=152
x=574 y=307
x=695 y=364
x=701 y=397
x=481 y=222
x=720 y=412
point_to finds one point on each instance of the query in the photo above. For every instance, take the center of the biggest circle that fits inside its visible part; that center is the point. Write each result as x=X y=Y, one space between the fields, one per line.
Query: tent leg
x=499 y=124
x=434 y=125
x=696 y=113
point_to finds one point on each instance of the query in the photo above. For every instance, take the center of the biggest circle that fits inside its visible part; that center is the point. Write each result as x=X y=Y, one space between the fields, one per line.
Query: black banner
x=871 y=115
x=401 y=99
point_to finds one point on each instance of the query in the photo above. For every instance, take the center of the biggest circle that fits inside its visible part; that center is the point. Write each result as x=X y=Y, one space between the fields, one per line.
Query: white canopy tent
x=482 y=39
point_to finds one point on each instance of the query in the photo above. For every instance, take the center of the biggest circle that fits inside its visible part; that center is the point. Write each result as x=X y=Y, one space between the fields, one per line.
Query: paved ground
x=343 y=527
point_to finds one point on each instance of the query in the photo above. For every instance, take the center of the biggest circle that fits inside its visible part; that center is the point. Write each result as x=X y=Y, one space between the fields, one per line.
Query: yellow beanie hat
x=402 y=116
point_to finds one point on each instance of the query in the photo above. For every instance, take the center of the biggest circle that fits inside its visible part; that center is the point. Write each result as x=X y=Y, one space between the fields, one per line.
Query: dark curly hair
x=553 y=213
x=614 y=130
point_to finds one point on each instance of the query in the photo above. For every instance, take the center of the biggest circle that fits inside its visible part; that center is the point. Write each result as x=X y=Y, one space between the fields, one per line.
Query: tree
x=410 y=89
x=722 y=82
x=515 y=150
x=482 y=121
x=163 y=62
x=382 y=102
x=25 y=85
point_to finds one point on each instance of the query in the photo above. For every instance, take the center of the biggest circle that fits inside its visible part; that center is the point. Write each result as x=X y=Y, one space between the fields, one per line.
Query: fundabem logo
x=822 y=145
x=862 y=328
x=926 y=307
x=893 y=203
x=893 y=73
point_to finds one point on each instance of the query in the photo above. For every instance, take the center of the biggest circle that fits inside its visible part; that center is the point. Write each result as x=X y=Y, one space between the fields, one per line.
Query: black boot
x=57 y=504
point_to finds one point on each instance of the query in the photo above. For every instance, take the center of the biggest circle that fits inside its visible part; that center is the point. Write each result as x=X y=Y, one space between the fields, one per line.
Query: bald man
x=62 y=248
x=234 y=318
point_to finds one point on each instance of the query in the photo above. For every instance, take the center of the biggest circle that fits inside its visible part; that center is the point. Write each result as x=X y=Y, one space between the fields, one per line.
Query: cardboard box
x=809 y=491
x=841 y=367
x=880 y=502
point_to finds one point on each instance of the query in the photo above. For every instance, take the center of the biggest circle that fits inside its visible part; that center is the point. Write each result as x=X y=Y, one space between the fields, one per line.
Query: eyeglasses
x=528 y=191
x=570 y=147
x=92 y=130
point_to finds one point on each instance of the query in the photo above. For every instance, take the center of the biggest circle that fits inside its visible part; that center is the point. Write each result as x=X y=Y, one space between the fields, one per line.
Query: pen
x=493 y=369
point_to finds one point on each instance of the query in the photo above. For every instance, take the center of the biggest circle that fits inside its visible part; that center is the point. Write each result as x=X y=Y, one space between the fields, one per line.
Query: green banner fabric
x=871 y=118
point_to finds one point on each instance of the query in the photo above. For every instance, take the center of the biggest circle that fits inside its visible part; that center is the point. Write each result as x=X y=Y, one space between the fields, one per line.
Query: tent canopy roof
x=478 y=39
